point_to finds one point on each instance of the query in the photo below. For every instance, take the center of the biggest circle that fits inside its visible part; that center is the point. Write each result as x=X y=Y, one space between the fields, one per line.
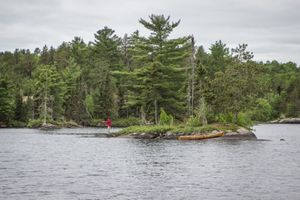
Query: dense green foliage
x=164 y=118
x=146 y=129
x=151 y=79
x=162 y=129
x=7 y=101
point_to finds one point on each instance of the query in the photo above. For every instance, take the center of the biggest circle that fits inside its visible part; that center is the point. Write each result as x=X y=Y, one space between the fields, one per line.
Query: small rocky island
x=286 y=121
x=229 y=131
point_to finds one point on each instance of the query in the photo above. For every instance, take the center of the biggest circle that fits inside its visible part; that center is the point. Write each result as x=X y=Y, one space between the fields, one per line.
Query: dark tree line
x=142 y=76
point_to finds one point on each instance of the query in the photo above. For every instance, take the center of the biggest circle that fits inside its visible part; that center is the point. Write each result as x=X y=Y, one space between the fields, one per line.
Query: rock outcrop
x=48 y=126
x=241 y=133
x=145 y=135
x=287 y=121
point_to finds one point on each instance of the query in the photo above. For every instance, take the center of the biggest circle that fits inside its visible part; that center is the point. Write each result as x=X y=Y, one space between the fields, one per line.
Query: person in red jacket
x=108 y=124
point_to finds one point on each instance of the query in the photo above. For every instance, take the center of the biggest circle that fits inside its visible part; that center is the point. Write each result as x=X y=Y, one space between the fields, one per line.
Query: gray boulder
x=170 y=136
x=145 y=135
x=48 y=126
x=241 y=133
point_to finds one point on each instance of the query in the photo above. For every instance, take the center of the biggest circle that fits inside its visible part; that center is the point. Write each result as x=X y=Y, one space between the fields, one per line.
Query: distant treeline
x=140 y=77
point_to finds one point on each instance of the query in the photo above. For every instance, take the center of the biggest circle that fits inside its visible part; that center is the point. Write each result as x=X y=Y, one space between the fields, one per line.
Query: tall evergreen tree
x=107 y=58
x=157 y=79
x=107 y=48
x=219 y=58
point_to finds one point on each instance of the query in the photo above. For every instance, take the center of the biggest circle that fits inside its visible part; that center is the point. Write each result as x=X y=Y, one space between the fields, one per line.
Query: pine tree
x=107 y=47
x=157 y=79
x=219 y=58
x=107 y=58
x=74 y=106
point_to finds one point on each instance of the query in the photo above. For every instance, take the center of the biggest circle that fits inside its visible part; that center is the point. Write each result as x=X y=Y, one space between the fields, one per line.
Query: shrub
x=263 y=111
x=225 y=118
x=125 y=122
x=17 y=124
x=164 y=118
x=34 y=123
x=146 y=129
x=193 y=121
x=178 y=129
x=244 y=120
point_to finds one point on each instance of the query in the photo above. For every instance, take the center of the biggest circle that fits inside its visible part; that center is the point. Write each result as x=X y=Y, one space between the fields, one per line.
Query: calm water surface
x=76 y=164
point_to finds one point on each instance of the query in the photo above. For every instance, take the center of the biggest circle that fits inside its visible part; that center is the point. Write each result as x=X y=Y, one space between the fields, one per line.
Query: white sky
x=271 y=28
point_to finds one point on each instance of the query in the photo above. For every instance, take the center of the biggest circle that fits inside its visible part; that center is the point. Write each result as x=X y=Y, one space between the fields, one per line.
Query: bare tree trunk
x=191 y=79
x=155 y=110
x=33 y=113
x=236 y=114
x=45 y=100
x=143 y=115
x=193 y=73
x=188 y=99
x=126 y=54
x=202 y=111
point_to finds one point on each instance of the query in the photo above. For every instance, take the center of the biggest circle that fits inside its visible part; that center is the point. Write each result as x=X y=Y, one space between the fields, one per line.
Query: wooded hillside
x=138 y=77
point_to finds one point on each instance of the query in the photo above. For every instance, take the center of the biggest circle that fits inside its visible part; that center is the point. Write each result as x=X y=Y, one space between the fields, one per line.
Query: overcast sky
x=271 y=28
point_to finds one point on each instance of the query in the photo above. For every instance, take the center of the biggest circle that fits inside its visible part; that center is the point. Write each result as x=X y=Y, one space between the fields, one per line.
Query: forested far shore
x=138 y=79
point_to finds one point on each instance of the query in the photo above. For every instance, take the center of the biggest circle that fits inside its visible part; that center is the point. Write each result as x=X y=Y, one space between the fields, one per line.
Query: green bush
x=178 y=129
x=125 y=122
x=263 y=111
x=17 y=124
x=34 y=123
x=146 y=129
x=275 y=101
x=225 y=118
x=164 y=118
x=193 y=121
x=244 y=119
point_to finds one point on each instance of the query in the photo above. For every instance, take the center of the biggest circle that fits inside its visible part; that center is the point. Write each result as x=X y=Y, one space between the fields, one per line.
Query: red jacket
x=108 y=122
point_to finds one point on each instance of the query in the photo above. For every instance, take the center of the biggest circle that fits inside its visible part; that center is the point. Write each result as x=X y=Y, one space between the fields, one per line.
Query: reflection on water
x=65 y=165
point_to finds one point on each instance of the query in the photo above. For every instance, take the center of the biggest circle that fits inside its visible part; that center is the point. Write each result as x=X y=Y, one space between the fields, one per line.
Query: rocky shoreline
x=49 y=126
x=241 y=133
x=286 y=121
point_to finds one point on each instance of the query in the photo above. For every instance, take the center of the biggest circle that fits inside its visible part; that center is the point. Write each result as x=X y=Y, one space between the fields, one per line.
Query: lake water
x=76 y=164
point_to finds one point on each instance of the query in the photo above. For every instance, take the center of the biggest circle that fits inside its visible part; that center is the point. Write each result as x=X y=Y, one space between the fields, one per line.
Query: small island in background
x=157 y=86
